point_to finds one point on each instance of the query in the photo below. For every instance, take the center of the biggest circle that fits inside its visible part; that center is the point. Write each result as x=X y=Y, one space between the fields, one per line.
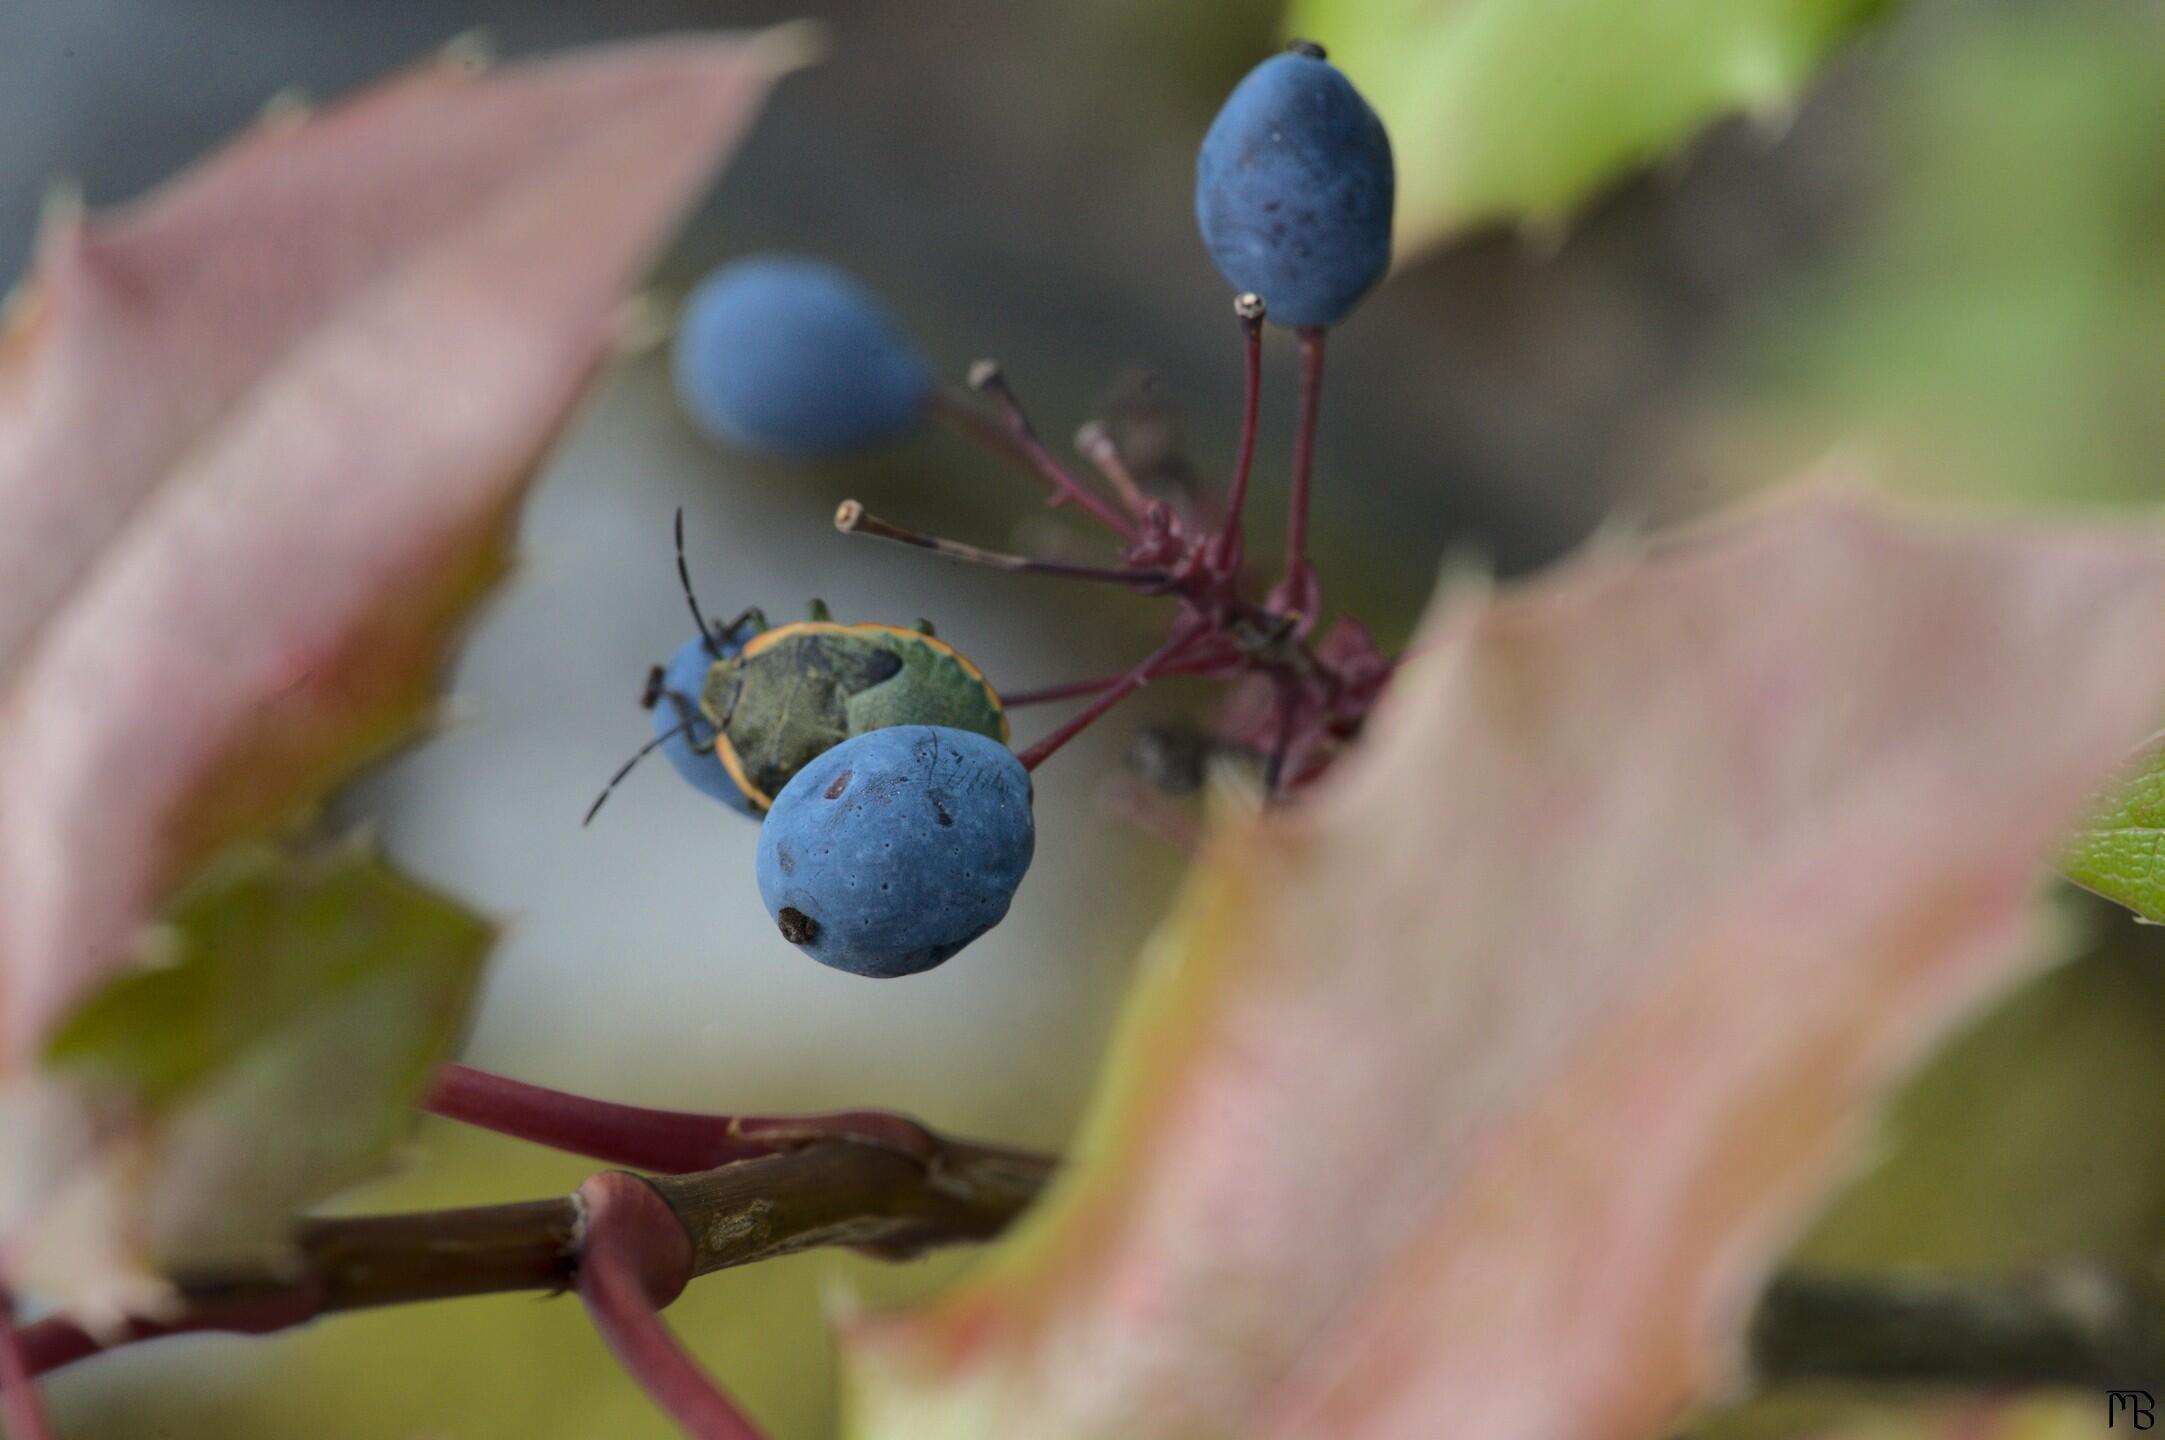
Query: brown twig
x=2075 y=1325
x=829 y=1191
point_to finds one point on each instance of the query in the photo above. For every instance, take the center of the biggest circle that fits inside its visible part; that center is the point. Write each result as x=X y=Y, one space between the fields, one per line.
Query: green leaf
x=260 y=943
x=2120 y=851
x=273 y=1051
x=1990 y=320
x=1517 y=109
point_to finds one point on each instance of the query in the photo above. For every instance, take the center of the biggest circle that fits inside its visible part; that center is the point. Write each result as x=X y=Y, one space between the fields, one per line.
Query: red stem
x=59 y=1342
x=671 y=1141
x=1017 y=442
x=637 y=1259
x=1297 y=573
x=19 y=1405
x=1229 y=547
x=1182 y=637
x=1048 y=693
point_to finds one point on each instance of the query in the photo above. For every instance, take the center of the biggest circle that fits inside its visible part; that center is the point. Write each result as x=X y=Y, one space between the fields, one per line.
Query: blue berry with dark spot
x=792 y=357
x=893 y=850
x=1294 y=187
x=683 y=679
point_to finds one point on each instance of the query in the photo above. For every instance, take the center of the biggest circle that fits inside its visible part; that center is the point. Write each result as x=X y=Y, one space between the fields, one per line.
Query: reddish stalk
x=1249 y=309
x=1046 y=694
x=1182 y=637
x=19 y=1405
x=636 y=1260
x=671 y=1141
x=1297 y=592
x=58 y=1342
x=1018 y=442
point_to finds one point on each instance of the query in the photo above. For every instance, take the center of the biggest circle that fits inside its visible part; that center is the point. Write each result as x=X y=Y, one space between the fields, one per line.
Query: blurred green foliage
x=1517 y=109
x=274 y=1052
x=1995 y=325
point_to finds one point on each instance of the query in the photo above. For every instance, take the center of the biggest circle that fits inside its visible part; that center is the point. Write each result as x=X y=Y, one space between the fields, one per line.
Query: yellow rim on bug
x=765 y=640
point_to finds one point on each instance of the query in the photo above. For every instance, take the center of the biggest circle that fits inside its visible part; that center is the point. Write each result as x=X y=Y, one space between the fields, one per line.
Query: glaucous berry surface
x=892 y=851
x=791 y=357
x=1294 y=188
x=693 y=758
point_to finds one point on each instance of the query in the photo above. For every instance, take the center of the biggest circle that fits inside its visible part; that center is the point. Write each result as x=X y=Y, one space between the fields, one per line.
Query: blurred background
x=1944 y=259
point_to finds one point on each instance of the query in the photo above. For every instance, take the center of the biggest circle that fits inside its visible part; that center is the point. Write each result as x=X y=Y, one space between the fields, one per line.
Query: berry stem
x=19 y=1405
x=1095 y=444
x=637 y=1258
x=1226 y=555
x=1297 y=592
x=1017 y=441
x=1049 y=693
x=1182 y=637
x=670 y=1141
x=851 y=518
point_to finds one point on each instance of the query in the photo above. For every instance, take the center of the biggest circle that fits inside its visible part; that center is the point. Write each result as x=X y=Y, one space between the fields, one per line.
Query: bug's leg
x=651 y=693
x=751 y=616
x=689 y=720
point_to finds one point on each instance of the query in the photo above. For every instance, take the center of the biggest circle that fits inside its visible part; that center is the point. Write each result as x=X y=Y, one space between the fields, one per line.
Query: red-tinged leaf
x=1472 y=1096
x=260 y=435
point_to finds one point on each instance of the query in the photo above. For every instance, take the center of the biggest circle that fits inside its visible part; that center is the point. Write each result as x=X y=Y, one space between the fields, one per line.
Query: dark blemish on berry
x=841 y=783
x=939 y=812
x=786 y=858
x=797 y=927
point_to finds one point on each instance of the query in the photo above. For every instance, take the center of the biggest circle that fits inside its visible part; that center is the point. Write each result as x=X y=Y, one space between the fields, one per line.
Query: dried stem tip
x=851 y=518
x=1248 y=306
x=985 y=375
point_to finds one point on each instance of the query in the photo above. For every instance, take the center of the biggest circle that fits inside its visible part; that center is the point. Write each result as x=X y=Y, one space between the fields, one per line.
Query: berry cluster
x=896 y=823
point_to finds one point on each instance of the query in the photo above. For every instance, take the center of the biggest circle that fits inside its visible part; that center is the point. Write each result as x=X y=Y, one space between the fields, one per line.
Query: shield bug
x=796 y=691
x=742 y=707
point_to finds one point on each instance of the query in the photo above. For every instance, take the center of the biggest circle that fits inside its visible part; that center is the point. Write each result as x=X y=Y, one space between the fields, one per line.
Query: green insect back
x=800 y=690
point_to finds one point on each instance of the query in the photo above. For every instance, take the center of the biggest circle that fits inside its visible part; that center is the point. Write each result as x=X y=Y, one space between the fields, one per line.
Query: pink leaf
x=260 y=438
x=1474 y=1097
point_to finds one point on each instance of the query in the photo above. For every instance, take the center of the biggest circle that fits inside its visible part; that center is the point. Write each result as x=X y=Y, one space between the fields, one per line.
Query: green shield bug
x=742 y=707
x=797 y=690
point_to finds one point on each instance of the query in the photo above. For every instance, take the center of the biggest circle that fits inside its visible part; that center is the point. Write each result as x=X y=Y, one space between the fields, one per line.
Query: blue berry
x=792 y=357
x=685 y=678
x=1293 y=190
x=890 y=852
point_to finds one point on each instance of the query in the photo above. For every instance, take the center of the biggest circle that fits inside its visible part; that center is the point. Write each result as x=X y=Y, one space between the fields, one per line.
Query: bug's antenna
x=641 y=753
x=684 y=577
